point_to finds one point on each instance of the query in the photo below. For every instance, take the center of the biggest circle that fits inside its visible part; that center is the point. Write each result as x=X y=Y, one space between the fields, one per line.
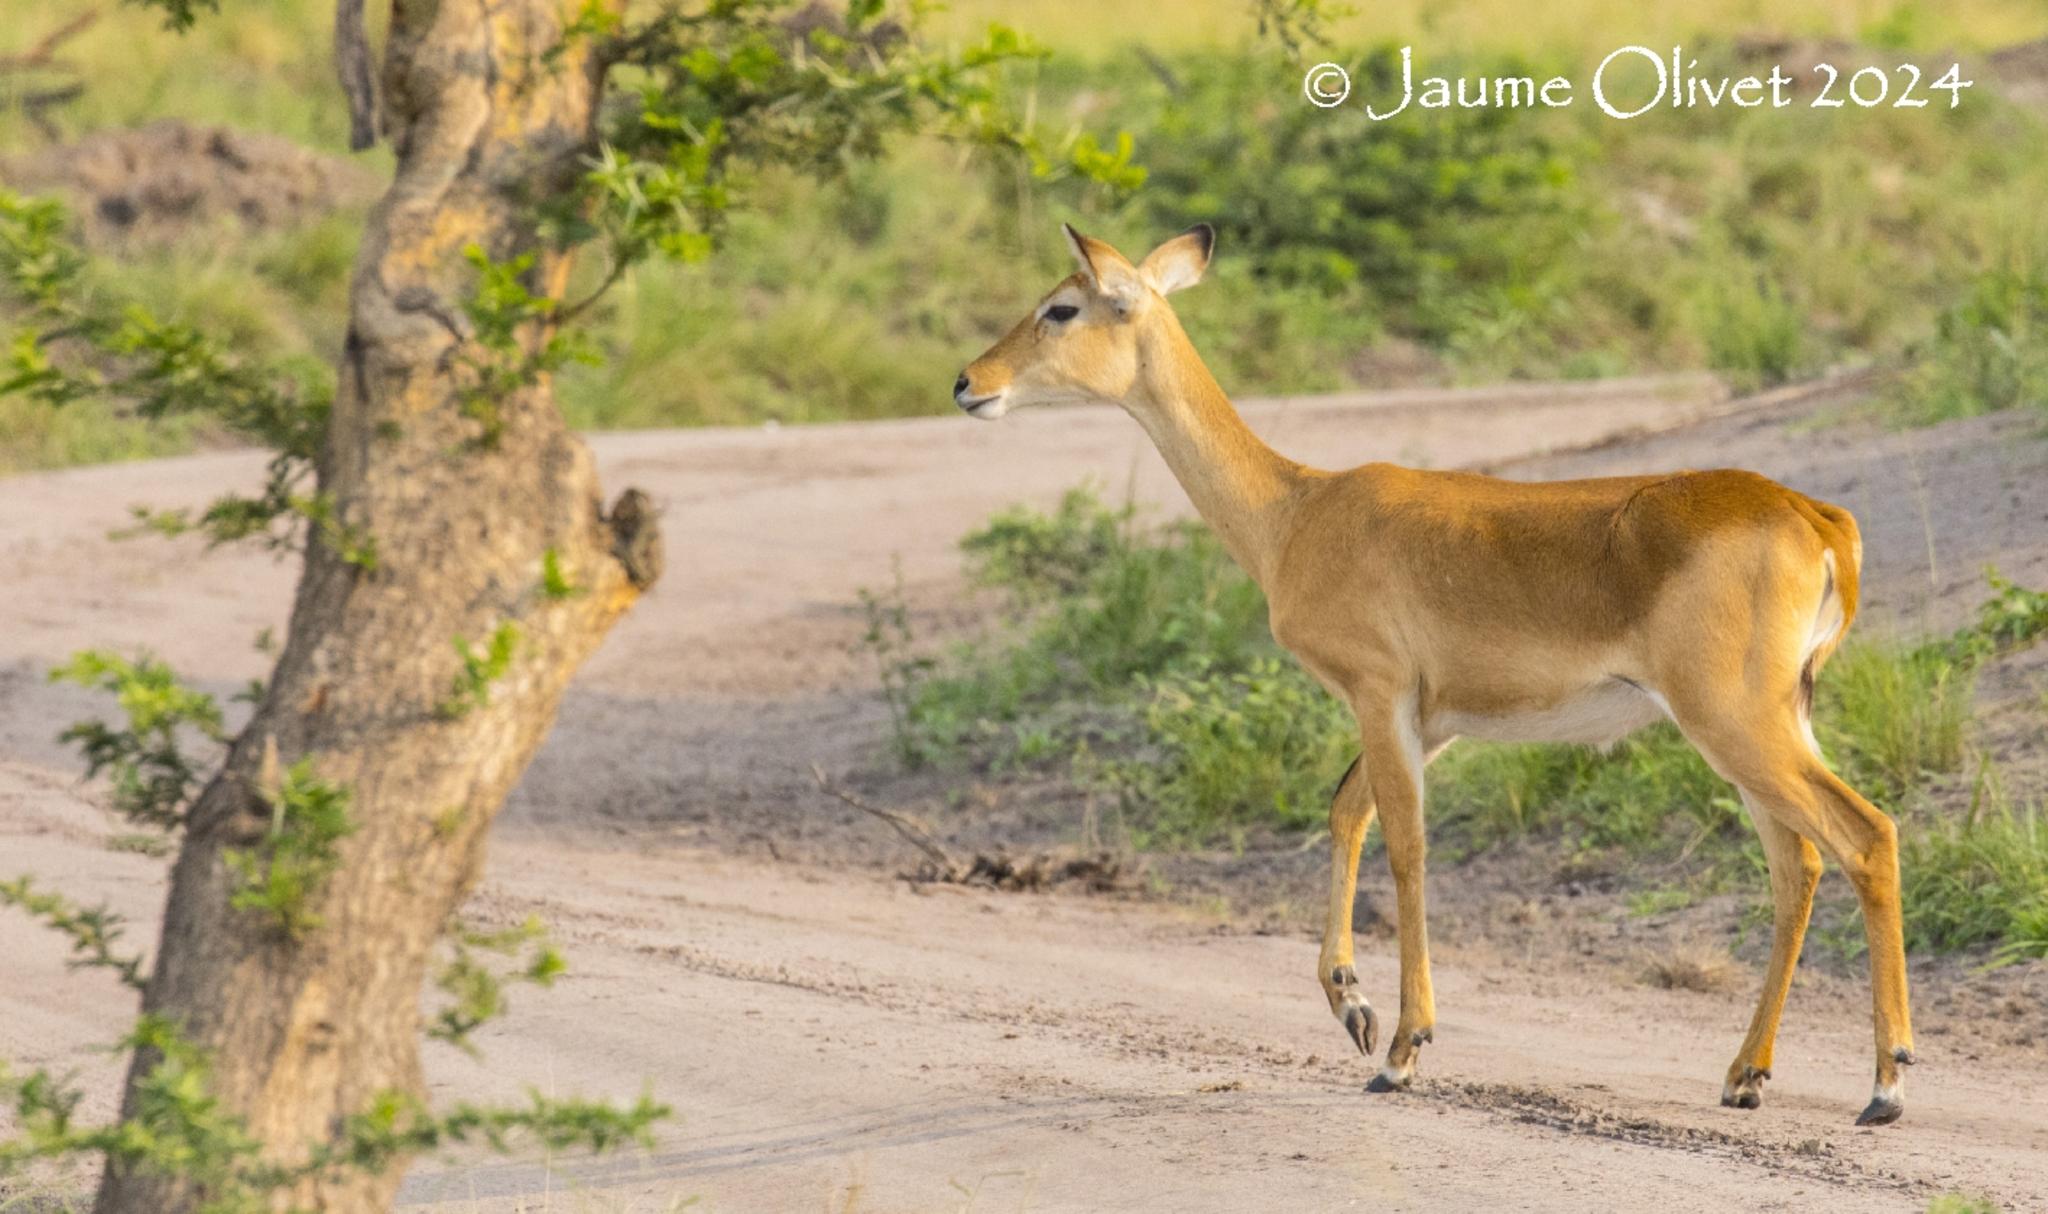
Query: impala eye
x=1062 y=312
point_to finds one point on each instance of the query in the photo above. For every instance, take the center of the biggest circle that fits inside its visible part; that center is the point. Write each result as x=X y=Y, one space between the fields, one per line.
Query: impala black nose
x=960 y=386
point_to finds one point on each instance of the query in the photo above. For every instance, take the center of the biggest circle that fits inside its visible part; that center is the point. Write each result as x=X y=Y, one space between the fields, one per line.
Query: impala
x=1440 y=605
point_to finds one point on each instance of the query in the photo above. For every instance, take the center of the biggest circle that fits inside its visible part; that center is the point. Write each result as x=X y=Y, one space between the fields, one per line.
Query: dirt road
x=835 y=1039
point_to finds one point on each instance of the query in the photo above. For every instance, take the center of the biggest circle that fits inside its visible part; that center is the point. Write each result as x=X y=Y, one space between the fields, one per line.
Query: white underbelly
x=1601 y=715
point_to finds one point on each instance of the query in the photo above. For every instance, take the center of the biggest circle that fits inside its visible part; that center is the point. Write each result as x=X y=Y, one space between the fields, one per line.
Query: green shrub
x=1223 y=752
x=1037 y=556
x=1416 y=210
x=1448 y=228
x=2011 y=618
x=1108 y=606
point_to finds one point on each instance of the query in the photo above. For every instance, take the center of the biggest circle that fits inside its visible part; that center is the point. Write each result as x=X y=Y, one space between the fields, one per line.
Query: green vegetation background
x=1463 y=246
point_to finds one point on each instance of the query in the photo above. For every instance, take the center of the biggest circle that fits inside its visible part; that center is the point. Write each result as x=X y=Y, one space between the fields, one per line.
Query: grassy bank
x=1137 y=664
x=1578 y=28
x=1449 y=246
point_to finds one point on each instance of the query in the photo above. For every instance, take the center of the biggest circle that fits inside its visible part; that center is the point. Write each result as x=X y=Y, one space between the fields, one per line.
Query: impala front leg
x=1351 y=812
x=1393 y=765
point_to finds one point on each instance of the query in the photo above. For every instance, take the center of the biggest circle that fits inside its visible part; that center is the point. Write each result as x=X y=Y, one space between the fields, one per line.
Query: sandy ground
x=833 y=1038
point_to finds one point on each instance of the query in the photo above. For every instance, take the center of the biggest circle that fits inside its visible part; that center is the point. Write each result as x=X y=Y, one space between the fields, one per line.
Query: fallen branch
x=1100 y=872
x=917 y=835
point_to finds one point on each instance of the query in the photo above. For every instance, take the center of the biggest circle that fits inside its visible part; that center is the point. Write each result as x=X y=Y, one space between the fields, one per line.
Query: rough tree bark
x=307 y=1032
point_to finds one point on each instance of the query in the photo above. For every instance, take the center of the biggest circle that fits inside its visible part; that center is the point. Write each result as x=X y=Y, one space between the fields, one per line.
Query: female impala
x=1441 y=605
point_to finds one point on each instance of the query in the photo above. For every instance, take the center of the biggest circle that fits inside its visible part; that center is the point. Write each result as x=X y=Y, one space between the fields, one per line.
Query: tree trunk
x=306 y=1032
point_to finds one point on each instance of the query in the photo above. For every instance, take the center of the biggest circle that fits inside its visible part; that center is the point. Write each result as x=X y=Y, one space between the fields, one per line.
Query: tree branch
x=352 y=64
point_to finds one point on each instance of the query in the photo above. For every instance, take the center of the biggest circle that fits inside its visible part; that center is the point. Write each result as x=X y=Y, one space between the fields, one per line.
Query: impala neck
x=1243 y=488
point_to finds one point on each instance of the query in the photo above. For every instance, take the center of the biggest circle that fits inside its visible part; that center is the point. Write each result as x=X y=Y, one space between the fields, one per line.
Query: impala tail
x=1843 y=562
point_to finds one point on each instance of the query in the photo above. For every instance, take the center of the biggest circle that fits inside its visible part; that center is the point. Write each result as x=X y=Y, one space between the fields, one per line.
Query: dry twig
x=916 y=834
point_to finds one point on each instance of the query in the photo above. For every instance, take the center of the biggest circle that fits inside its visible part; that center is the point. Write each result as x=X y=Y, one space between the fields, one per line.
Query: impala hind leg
x=1393 y=766
x=1780 y=771
x=1795 y=870
x=1351 y=811
x=1867 y=844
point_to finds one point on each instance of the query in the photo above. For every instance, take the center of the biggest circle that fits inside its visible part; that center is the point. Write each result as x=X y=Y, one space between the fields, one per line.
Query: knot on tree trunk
x=636 y=537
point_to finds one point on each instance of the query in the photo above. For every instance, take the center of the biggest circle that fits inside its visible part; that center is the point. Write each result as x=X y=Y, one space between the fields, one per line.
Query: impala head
x=1081 y=343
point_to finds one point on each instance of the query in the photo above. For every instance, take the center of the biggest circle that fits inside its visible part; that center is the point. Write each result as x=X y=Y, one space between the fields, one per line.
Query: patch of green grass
x=1963 y=1203
x=153 y=846
x=1988 y=353
x=1658 y=900
x=1978 y=879
x=1754 y=333
x=263 y=66
x=1650 y=792
x=1892 y=714
x=825 y=303
x=280 y=297
x=35 y=437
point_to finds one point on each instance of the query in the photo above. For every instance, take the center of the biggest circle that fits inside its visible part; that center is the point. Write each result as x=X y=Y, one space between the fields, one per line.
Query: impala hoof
x=1387 y=1081
x=1745 y=1091
x=1883 y=1109
x=1362 y=1024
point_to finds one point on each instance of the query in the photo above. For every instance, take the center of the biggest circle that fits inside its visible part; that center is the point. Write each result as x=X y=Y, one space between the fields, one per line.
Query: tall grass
x=33 y=437
x=1892 y=714
x=1978 y=879
x=1988 y=353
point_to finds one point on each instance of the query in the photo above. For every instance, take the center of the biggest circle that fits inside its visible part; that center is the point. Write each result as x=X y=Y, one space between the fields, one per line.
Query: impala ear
x=1106 y=269
x=1179 y=262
